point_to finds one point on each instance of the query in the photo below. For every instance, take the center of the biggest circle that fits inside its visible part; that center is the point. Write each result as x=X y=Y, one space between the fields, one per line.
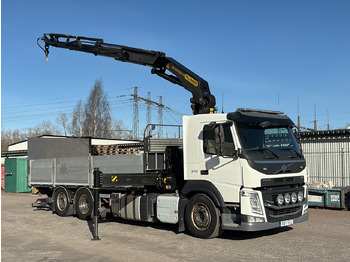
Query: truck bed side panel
x=120 y=164
x=60 y=171
x=75 y=171
x=41 y=171
x=59 y=161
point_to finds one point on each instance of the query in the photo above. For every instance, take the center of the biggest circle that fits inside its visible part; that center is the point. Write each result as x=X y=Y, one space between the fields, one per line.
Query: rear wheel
x=84 y=204
x=61 y=201
x=202 y=217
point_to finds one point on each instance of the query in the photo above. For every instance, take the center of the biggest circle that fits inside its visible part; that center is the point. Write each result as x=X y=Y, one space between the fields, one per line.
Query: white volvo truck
x=237 y=171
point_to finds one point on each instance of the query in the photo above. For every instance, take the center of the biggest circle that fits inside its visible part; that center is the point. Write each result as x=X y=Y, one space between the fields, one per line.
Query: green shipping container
x=16 y=175
x=337 y=197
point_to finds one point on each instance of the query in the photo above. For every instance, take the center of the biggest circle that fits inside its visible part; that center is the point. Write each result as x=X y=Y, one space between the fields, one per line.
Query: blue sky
x=265 y=54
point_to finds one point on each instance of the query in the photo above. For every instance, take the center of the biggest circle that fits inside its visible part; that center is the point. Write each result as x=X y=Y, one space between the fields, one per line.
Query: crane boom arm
x=202 y=101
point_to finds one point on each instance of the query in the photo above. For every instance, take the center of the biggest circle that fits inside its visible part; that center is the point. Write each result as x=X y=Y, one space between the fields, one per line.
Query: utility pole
x=148 y=111
x=298 y=117
x=135 y=128
x=148 y=102
x=160 y=117
x=315 y=122
x=328 y=120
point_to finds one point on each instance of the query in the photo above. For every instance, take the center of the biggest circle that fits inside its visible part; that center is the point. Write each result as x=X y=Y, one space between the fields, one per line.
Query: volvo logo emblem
x=283 y=168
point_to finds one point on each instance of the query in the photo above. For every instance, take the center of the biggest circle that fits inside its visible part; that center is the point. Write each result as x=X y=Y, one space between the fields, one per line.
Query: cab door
x=219 y=161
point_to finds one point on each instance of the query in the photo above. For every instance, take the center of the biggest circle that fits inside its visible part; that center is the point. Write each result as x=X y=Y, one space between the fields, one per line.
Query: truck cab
x=250 y=162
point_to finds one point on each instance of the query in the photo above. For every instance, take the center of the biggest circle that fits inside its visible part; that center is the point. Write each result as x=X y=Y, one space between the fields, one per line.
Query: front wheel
x=202 y=217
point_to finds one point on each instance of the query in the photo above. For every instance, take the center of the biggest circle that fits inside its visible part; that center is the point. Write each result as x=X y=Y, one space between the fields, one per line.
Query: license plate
x=286 y=223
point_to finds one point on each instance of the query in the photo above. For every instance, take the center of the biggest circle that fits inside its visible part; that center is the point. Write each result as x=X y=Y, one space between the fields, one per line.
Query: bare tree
x=62 y=121
x=47 y=128
x=9 y=137
x=119 y=131
x=93 y=118
x=90 y=119
x=78 y=117
x=98 y=121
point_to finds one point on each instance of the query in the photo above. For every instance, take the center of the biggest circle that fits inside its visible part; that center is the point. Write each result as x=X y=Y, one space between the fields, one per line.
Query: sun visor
x=262 y=118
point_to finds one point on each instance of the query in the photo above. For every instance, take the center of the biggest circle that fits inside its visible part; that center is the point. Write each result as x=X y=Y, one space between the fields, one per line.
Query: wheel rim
x=201 y=216
x=62 y=201
x=84 y=204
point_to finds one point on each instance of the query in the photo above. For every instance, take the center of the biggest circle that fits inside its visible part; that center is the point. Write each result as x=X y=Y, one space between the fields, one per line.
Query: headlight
x=287 y=198
x=300 y=196
x=294 y=197
x=279 y=200
x=254 y=201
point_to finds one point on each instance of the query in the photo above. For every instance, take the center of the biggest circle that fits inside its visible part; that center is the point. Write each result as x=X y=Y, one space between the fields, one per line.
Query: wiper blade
x=263 y=149
x=291 y=148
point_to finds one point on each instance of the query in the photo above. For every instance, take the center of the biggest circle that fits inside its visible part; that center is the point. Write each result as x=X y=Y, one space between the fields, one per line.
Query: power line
x=135 y=128
x=41 y=109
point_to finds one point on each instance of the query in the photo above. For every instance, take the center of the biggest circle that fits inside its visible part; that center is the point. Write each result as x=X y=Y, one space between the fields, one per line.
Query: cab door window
x=217 y=139
x=227 y=141
x=209 y=143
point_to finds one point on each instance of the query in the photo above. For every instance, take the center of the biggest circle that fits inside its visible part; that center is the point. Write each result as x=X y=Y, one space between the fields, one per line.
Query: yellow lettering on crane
x=186 y=76
x=191 y=80
x=178 y=71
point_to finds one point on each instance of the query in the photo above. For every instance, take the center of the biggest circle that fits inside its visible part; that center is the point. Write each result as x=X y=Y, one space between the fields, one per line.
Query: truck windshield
x=272 y=139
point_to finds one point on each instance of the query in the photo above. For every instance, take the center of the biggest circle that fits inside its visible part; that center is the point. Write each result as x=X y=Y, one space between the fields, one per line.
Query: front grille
x=283 y=212
x=274 y=215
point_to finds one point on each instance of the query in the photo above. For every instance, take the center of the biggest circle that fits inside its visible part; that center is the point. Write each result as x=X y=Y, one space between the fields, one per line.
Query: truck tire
x=84 y=204
x=61 y=202
x=202 y=217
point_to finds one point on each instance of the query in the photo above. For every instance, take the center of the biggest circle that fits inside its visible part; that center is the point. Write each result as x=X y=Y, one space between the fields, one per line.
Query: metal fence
x=327 y=155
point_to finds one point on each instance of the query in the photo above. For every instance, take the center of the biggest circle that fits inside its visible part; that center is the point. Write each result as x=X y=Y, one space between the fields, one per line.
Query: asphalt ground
x=31 y=234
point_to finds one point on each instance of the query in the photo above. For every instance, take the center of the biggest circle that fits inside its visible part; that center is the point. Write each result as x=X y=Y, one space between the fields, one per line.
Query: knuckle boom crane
x=202 y=101
x=241 y=170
